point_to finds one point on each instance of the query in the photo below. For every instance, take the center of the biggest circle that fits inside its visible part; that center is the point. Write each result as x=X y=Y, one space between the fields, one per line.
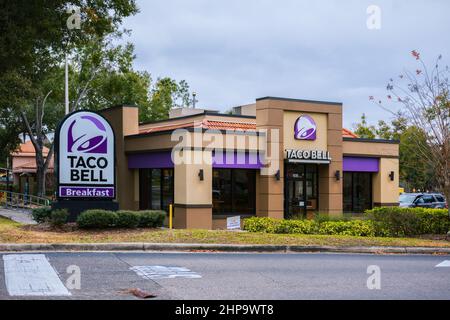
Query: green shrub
x=363 y=228
x=256 y=224
x=323 y=217
x=151 y=218
x=58 y=217
x=399 y=222
x=359 y=228
x=41 y=215
x=97 y=219
x=295 y=226
x=127 y=219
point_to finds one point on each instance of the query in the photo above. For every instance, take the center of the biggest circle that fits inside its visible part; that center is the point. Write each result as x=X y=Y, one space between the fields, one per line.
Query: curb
x=187 y=247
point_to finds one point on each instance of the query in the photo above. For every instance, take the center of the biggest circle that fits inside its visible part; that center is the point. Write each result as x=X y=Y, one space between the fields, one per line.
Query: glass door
x=295 y=195
x=300 y=190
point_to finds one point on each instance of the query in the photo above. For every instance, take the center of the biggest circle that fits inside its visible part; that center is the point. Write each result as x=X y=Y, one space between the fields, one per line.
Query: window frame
x=232 y=192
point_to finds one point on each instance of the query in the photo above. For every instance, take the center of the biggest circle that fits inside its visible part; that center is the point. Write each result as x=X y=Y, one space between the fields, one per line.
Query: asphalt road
x=105 y=275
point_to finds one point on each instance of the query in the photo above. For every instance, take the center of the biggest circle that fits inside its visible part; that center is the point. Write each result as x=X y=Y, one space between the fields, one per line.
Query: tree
x=166 y=94
x=363 y=130
x=423 y=96
x=415 y=172
x=34 y=37
x=43 y=42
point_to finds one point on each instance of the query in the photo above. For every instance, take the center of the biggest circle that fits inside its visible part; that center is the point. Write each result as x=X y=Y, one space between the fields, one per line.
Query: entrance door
x=300 y=190
x=295 y=197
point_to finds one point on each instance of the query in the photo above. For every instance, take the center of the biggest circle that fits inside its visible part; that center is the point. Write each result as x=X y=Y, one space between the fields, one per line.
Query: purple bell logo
x=305 y=128
x=87 y=134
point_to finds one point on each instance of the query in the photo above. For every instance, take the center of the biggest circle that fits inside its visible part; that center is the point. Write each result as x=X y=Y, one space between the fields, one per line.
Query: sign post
x=85 y=162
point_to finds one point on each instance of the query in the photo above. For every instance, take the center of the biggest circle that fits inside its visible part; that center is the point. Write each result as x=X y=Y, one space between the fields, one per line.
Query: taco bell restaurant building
x=275 y=158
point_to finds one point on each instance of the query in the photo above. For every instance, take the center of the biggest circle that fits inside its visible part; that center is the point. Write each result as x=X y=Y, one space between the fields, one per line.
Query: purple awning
x=150 y=160
x=360 y=164
x=160 y=160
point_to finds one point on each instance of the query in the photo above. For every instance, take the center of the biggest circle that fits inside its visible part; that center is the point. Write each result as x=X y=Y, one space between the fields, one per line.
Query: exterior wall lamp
x=337 y=175
x=201 y=175
x=392 y=175
x=277 y=175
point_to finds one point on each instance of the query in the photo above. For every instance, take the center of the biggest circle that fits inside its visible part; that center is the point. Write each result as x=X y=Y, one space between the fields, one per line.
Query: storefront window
x=233 y=191
x=357 y=191
x=155 y=189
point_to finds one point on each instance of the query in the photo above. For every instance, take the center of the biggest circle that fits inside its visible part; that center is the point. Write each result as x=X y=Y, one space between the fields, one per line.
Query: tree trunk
x=40 y=174
x=40 y=179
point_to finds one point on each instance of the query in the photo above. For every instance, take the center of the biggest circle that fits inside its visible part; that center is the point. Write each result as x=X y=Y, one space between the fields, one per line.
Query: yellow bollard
x=170 y=216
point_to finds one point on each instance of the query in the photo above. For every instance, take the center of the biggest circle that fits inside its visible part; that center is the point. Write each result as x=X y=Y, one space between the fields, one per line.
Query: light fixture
x=201 y=175
x=337 y=175
x=391 y=175
x=277 y=175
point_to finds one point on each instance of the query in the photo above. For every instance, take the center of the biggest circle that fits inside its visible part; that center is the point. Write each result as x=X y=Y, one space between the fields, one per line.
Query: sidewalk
x=21 y=216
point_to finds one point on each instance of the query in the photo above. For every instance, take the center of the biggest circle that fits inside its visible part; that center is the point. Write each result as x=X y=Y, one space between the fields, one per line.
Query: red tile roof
x=28 y=148
x=348 y=134
x=219 y=125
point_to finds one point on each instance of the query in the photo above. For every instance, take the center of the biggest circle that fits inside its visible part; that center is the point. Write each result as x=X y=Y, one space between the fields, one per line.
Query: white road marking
x=161 y=272
x=445 y=263
x=32 y=275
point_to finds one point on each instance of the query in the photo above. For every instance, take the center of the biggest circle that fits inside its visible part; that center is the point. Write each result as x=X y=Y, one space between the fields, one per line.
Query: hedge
x=399 y=222
x=97 y=219
x=58 y=217
x=383 y=222
x=41 y=215
x=269 y=225
x=101 y=219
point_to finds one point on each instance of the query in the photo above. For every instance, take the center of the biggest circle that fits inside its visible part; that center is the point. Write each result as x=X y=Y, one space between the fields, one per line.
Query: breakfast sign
x=85 y=157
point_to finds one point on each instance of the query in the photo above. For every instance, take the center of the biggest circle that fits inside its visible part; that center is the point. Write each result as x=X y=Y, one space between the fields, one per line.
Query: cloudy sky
x=233 y=51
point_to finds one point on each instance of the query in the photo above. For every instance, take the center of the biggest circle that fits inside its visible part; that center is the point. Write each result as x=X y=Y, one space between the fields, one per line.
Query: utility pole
x=66 y=86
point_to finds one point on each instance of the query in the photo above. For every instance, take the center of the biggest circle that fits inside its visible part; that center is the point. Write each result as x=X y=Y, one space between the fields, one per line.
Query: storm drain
x=163 y=272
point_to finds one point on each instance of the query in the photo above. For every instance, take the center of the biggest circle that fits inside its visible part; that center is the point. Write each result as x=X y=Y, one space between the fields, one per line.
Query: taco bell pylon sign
x=85 y=157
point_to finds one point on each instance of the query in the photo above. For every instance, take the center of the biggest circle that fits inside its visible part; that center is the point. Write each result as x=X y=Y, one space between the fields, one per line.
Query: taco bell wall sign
x=85 y=155
x=305 y=128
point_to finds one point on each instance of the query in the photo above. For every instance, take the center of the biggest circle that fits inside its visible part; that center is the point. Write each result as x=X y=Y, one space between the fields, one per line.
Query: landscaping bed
x=12 y=232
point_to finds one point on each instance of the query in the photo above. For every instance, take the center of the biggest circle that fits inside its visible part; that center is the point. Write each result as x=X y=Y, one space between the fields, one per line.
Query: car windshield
x=407 y=198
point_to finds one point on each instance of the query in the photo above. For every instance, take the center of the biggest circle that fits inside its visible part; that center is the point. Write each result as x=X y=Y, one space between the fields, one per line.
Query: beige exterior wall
x=193 y=197
x=370 y=149
x=385 y=191
x=281 y=114
x=321 y=143
x=125 y=121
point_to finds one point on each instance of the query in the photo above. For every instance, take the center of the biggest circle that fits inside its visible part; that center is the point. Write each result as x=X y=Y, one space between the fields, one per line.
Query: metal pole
x=66 y=85
x=170 y=216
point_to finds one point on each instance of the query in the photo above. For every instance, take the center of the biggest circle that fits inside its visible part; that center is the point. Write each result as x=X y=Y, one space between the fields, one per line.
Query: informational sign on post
x=85 y=157
x=234 y=223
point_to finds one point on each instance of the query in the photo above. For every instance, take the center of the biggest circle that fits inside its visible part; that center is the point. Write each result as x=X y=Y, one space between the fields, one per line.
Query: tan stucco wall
x=124 y=121
x=370 y=149
x=385 y=191
x=193 y=197
x=188 y=187
x=281 y=114
x=321 y=142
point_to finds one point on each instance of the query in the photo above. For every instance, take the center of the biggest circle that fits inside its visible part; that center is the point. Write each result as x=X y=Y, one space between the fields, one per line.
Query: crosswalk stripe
x=32 y=275
x=162 y=272
x=445 y=263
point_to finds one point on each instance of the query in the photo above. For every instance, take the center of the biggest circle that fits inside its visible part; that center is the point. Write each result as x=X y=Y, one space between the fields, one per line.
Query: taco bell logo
x=87 y=134
x=305 y=128
x=85 y=154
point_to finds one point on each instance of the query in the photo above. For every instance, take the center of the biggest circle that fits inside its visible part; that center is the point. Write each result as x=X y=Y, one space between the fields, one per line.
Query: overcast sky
x=234 y=51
